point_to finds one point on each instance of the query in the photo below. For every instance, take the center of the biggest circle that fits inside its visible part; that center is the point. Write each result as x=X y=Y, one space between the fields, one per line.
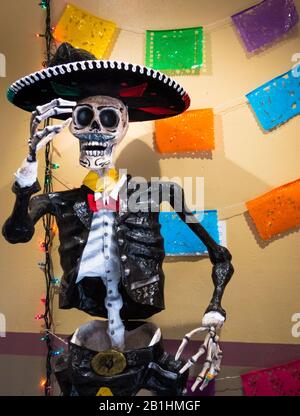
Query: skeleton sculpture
x=112 y=257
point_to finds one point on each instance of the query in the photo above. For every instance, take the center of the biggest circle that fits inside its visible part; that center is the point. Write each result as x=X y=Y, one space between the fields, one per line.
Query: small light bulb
x=42 y=246
x=43 y=4
x=58 y=352
x=43 y=382
x=55 y=281
x=54 y=228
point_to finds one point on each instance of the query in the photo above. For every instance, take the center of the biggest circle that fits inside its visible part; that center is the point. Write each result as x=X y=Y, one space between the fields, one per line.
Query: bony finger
x=198 y=380
x=186 y=339
x=40 y=109
x=212 y=332
x=58 y=102
x=185 y=367
x=193 y=360
x=208 y=378
x=46 y=131
x=181 y=347
x=213 y=347
x=33 y=126
x=57 y=128
x=53 y=112
x=45 y=140
x=33 y=142
x=67 y=103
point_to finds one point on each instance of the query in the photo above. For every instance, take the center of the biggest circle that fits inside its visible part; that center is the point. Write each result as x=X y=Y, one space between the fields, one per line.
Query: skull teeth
x=94 y=143
x=95 y=152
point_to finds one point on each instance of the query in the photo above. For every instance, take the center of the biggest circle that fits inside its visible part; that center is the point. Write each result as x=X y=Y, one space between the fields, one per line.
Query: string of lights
x=48 y=219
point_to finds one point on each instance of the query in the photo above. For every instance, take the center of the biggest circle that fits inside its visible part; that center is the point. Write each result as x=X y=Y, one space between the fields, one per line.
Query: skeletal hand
x=211 y=348
x=39 y=138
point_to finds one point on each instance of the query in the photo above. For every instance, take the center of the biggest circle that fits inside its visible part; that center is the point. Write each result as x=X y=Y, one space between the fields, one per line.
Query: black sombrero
x=74 y=74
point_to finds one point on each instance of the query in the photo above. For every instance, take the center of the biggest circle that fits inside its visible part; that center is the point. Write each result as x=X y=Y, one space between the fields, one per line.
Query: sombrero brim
x=148 y=94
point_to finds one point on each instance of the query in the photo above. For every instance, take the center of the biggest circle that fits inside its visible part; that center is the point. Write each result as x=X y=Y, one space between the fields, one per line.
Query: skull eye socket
x=109 y=118
x=84 y=116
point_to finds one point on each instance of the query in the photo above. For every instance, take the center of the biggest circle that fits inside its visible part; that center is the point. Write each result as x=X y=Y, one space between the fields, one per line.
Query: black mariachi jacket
x=139 y=240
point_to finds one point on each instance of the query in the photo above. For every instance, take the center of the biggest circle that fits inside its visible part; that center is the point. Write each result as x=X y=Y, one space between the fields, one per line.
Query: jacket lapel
x=82 y=210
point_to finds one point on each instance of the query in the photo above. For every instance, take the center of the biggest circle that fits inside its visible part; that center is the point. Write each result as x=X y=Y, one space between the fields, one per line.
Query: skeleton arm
x=219 y=256
x=19 y=227
x=215 y=315
x=26 y=175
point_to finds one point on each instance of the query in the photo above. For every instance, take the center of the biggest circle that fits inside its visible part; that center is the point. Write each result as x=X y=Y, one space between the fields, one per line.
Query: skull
x=100 y=123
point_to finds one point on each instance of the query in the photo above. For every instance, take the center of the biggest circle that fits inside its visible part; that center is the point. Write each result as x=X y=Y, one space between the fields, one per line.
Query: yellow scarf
x=101 y=183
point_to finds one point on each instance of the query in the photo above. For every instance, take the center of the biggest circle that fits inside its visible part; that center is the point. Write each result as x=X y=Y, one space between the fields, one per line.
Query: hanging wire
x=48 y=222
x=48 y=219
x=56 y=336
x=49 y=40
x=64 y=184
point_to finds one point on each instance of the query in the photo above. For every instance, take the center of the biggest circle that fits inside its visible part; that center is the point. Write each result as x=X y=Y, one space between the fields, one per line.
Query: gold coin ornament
x=104 y=391
x=108 y=363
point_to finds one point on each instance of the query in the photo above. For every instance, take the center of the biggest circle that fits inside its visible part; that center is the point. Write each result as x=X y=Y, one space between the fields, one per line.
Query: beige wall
x=264 y=292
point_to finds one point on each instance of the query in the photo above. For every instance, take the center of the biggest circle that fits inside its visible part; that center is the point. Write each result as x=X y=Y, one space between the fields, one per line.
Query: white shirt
x=100 y=258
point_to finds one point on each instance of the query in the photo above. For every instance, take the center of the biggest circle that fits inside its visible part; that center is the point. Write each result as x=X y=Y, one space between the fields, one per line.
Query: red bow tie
x=111 y=204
